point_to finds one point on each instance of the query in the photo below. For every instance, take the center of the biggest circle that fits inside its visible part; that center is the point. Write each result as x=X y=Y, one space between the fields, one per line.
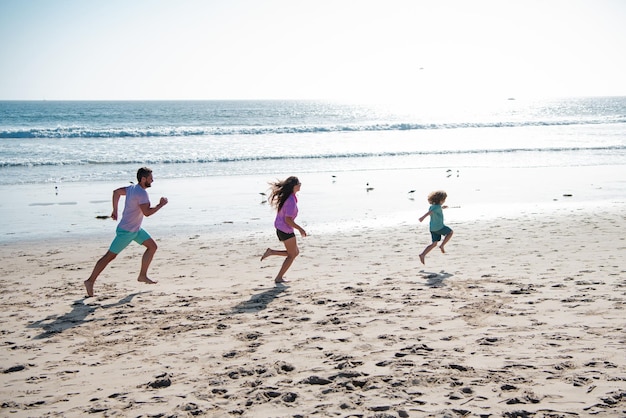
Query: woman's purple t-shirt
x=289 y=209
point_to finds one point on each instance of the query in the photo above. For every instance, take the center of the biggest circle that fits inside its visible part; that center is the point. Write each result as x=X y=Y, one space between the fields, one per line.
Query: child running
x=437 y=227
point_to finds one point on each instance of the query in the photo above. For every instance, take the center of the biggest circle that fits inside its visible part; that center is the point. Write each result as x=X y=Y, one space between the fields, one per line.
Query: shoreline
x=329 y=201
x=522 y=315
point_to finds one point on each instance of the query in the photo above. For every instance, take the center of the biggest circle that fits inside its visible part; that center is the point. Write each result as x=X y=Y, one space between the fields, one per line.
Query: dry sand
x=522 y=317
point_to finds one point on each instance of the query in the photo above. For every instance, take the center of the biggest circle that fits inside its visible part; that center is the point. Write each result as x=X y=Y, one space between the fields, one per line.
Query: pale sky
x=310 y=49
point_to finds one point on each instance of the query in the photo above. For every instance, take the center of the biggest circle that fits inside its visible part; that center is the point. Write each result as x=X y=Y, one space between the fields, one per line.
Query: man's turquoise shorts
x=123 y=238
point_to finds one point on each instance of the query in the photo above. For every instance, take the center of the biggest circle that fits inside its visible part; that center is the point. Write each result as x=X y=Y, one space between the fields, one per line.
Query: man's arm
x=117 y=193
x=148 y=211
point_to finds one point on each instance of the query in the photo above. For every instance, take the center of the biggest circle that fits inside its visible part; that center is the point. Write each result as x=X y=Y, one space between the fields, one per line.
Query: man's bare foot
x=146 y=280
x=266 y=254
x=89 y=287
x=422 y=257
x=283 y=280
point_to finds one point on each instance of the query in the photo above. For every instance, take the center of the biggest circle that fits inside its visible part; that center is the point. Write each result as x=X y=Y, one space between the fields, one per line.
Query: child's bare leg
x=426 y=251
x=445 y=240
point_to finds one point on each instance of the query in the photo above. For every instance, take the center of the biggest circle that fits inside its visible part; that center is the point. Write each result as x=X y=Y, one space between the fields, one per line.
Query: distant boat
x=511 y=98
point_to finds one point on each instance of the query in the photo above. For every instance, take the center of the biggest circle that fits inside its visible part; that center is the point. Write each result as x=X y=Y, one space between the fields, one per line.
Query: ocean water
x=60 y=142
x=360 y=164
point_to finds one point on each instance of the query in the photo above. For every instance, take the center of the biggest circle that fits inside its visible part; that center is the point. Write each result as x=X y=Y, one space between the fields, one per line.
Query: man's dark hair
x=143 y=172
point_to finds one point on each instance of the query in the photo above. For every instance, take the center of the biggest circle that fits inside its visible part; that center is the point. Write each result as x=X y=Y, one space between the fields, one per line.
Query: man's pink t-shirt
x=133 y=215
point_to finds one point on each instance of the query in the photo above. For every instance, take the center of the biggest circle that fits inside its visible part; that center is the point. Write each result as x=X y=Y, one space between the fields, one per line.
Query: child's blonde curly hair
x=437 y=197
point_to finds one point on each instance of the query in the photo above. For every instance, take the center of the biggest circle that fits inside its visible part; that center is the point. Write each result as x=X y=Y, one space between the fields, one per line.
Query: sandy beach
x=516 y=110
x=522 y=317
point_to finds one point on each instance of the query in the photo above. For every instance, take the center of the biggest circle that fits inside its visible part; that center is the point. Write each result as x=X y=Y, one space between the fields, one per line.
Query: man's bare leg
x=146 y=259
x=98 y=268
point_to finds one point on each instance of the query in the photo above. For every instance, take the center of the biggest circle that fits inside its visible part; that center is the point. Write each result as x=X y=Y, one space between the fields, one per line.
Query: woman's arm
x=289 y=221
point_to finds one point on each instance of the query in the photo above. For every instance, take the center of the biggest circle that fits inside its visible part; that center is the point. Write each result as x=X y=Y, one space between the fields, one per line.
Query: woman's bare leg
x=269 y=252
x=292 y=251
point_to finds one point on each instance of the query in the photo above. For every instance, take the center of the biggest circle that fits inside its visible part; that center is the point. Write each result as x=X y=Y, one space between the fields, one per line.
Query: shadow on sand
x=53 y=324
x=435 y=279
x=259 y=301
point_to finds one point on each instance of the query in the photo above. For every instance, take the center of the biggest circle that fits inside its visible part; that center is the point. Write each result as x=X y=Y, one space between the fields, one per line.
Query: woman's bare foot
x=89 y=287
x=266 y=254
x=146 y=280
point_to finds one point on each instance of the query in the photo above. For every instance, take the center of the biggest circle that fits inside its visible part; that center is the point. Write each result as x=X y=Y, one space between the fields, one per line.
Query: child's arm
x=425 y=215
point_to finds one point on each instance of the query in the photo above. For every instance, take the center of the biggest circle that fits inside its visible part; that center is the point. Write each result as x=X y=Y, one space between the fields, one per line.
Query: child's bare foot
x=422 y=257
x=281 y=280
x=266 y=254
x=442 y=250
x=146 y=280
x=89 y=287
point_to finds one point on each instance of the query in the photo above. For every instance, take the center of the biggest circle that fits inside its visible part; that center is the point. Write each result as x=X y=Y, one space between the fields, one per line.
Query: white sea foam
x=54 y=142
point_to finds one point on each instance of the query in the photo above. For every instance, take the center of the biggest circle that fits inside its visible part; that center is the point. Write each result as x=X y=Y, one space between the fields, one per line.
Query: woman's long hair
x=281 y=190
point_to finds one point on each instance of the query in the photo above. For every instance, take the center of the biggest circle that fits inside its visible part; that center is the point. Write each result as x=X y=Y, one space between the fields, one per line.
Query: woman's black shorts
x=283 y=236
